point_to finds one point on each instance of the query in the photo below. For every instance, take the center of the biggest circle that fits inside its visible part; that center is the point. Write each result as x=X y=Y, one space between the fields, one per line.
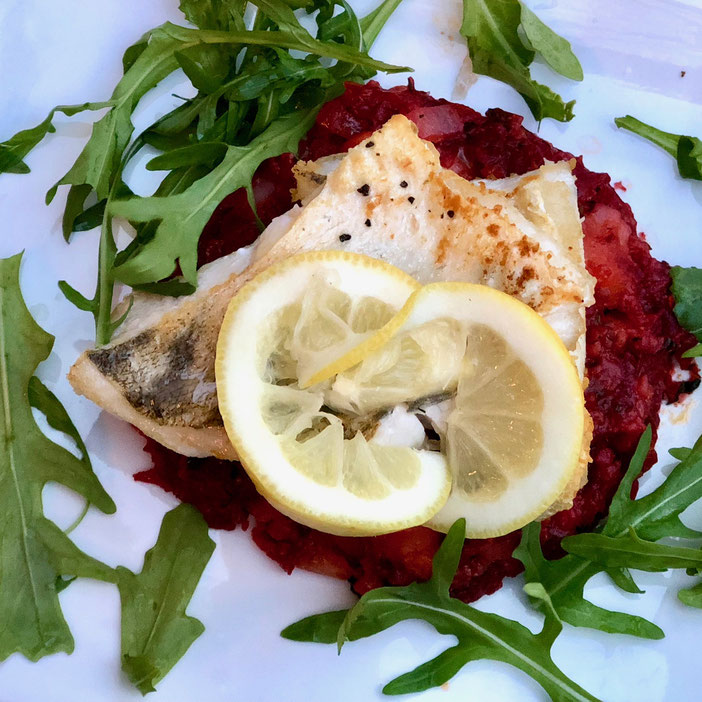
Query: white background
x=69 y=51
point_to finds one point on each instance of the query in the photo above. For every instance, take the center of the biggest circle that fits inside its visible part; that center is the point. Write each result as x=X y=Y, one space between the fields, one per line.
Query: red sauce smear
x=633 y=344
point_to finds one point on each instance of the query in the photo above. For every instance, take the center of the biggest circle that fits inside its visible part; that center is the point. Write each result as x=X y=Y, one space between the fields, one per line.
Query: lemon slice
x=311 y=463
x=500 y=389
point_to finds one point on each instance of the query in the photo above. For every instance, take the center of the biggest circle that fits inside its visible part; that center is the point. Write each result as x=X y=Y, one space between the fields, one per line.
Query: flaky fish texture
x=388 y=198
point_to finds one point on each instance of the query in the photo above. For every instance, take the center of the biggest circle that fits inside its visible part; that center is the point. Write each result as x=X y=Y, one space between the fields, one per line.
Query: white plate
x=66 y=51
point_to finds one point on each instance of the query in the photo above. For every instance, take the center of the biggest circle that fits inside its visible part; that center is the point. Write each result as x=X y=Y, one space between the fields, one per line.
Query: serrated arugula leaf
x=165 y=50
x=687 y=289
x=480 y=635
x=249 y=84
x=156 y=631
x=98 y=163
x=33 y=550
x=686 y=150
x=626 y=540
x=42 y=399
x=657 y=515
x=183 y=216
x=503 y=38
x=630 y=551
x=564 y=580
x=13 y=151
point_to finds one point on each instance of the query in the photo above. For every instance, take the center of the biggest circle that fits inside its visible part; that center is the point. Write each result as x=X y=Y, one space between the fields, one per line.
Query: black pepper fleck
x=364 y=189
x=411 y=199
x=450 y=213
x=370 y=144
x=682 y=74
x=368 y=222
x=344 y=237
x=403 y=184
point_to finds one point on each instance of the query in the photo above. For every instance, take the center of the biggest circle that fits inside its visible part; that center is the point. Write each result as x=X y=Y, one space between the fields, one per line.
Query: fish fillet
x=388 y=198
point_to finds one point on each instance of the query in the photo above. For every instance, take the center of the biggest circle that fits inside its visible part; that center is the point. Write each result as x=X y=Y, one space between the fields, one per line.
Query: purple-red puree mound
x=633 y=344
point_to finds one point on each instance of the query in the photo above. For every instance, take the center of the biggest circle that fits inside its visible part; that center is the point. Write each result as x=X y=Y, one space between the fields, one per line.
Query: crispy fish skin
x=395 y=202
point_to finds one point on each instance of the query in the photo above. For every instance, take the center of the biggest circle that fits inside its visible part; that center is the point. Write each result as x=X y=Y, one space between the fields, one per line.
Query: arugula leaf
x=217 y=14
x=657 y=515
x=503 y=38
x=554 y=49
x=693 y=352
x=624 y=541
x=100 y=305
x=480 y=635
x=630 y=551
x=42 y=399
x=687 y=150
x=183 y=216
x=687 y=289
x=692 y=597
x=33 y=550
x=156 y=631
x=98 y=162
x=13 y=151
x=373 y=22
x=246 y=79
x=564 y=580
x=201 y=153
x=161 y=52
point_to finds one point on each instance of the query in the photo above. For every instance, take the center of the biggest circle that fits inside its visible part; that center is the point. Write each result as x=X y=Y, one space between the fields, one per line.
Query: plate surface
x=69 y=51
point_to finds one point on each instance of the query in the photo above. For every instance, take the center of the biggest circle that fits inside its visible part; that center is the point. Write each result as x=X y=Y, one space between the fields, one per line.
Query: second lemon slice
x=494 y=381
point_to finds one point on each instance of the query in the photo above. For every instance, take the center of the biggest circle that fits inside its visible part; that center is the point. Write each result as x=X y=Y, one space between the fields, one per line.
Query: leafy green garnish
x=564 y=581
x=33 y=550
x=504 y=37
x=13 y=151
x=687 y=150
x=625 y=540
x=480 y=635
x=38 y=560
x=687 y=290
x=692 y=596
x=631 y=551
x=373 y=22
x=181 y=217
x=259 y=88
x=160 y=52
x=156 y=631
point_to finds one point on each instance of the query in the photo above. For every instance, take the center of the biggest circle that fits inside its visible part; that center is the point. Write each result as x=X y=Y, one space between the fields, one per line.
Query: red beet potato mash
x=634 y=343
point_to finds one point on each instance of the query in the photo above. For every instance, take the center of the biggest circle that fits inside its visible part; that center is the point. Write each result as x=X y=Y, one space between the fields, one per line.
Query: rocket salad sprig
x=686 y=150
x=39 y=559
x=259 y=86
x=626 y=539
x=481 y=635
x=504 y=37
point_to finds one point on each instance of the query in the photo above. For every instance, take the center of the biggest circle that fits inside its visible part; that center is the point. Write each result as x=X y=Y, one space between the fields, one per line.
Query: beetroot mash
x=633 y=344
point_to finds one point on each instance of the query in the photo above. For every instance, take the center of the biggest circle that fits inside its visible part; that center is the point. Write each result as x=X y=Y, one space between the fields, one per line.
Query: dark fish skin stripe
x=160 y=376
